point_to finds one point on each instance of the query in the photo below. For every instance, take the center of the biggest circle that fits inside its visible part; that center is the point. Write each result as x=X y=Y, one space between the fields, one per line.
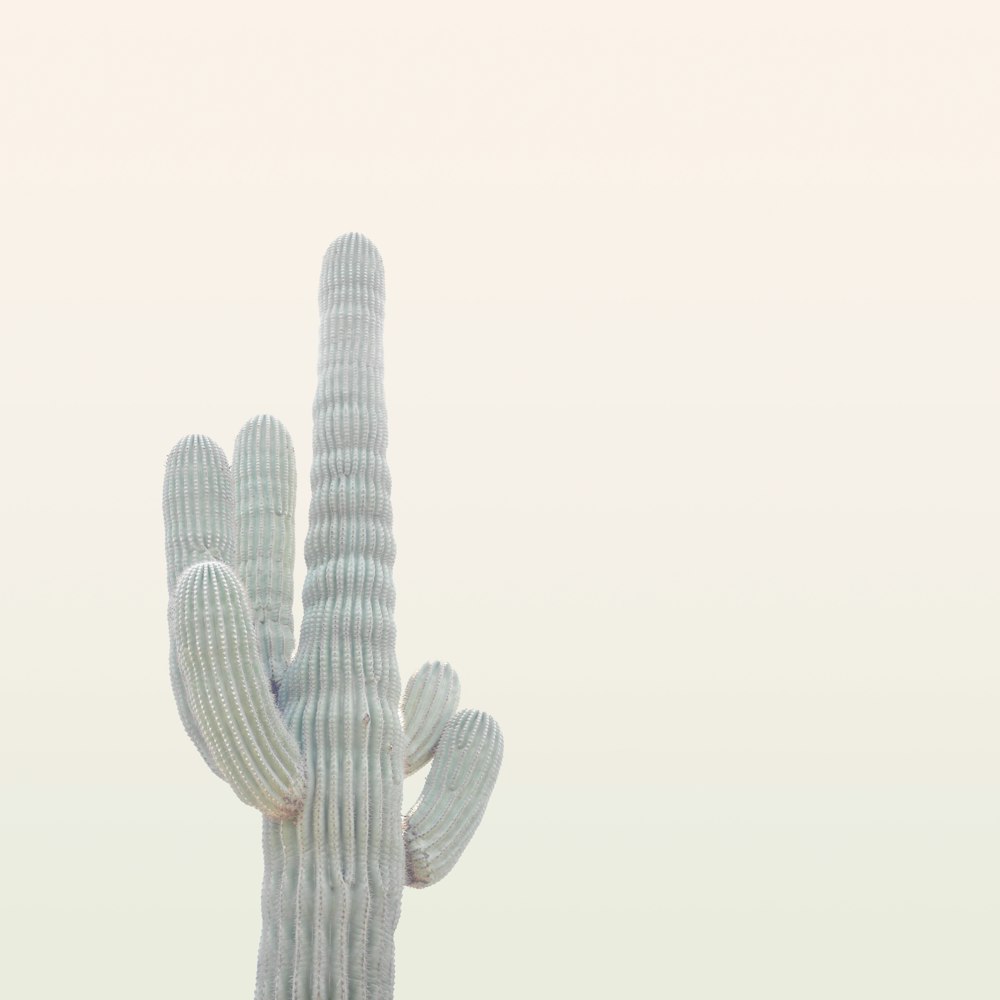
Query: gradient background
x=692 y=371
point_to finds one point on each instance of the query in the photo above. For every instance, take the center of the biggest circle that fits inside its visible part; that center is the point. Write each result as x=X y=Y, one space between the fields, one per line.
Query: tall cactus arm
x=228 y=691
x=264 y=473
x=429 y=702
x=198 y=523
x=439 y=827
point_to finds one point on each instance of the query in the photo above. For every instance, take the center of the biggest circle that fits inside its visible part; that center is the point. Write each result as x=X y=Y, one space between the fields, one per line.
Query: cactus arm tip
x=429 y=701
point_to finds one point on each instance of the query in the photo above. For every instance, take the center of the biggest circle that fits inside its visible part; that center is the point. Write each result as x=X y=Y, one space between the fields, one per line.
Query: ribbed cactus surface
x=319 y=741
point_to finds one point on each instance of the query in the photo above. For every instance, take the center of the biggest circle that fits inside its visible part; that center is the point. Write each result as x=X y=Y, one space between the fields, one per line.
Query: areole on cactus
x=319 y=741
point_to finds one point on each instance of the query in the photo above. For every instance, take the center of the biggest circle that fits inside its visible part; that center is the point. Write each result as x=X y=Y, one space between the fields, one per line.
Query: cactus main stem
x=333 y=877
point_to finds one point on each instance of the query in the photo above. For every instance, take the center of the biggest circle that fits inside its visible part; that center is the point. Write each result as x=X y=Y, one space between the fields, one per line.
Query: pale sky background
x=693 y=375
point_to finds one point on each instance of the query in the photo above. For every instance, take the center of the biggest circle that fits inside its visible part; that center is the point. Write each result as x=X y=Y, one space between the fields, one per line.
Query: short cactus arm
x=264 y=473
x=228 y=691
x=439 y=827
x=429 y=702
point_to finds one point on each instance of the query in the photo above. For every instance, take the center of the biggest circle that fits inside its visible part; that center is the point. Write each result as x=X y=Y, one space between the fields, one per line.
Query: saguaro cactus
x=319 y=742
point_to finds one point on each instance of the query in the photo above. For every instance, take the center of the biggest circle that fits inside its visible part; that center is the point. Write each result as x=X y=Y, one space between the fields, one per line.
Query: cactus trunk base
x=323 y=938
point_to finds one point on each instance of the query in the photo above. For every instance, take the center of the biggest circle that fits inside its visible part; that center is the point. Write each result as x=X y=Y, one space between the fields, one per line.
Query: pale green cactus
x=319 y=741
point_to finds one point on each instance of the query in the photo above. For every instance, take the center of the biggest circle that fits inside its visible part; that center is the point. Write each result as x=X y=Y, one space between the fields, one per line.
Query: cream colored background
x=692 y=365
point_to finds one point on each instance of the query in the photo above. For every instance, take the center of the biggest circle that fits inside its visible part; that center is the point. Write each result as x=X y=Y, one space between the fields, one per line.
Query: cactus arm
x=228 y=690
x=264 y=474
x=187 y=718
x=429 y=702
x=198 y=524
x=439 y=827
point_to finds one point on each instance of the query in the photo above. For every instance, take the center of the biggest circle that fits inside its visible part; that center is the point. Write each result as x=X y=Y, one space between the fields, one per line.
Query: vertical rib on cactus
x=325 y=762
x=264 y=471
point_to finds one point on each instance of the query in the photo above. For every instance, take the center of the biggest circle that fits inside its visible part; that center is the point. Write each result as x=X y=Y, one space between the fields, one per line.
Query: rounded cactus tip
x=196 y=449
x=266 y=424
x=352 y=254
x=352 y=272
x=353 y=244
x=194 y=441
x=212 y=574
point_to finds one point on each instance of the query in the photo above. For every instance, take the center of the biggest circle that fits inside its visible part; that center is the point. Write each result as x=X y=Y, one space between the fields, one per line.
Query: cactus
x=320 y=741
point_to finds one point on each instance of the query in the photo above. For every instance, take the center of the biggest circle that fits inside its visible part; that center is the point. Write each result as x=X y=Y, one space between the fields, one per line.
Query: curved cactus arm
x=439 y=827
x=429 y=702
x=198 y=524
x=228 y=691
x=264 y=474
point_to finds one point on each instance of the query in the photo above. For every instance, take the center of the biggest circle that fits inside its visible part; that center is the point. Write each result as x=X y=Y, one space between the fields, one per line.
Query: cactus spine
x=319 y=741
